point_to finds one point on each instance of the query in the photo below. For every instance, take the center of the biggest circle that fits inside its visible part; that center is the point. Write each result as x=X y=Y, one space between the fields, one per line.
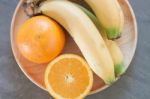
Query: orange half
x=68 y=77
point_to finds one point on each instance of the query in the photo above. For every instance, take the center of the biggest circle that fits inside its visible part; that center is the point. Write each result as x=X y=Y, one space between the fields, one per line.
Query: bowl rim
x=92 y=92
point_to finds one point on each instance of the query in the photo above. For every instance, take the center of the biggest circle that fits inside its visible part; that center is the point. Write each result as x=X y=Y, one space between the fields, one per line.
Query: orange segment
x=68 y=77
x=40 y=39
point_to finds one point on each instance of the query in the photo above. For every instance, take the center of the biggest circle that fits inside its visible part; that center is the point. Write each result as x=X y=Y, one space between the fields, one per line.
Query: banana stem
x=31 y=7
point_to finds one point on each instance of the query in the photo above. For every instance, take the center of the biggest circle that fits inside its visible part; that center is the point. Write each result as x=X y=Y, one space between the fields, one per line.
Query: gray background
x=135 y=84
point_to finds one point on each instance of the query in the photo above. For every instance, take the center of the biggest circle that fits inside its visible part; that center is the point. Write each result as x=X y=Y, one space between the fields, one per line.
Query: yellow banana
x=110 y=15
x=117 y=56
x=85 y=34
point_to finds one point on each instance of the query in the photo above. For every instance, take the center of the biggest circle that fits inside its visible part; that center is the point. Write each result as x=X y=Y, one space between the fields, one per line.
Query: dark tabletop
x=135 y=84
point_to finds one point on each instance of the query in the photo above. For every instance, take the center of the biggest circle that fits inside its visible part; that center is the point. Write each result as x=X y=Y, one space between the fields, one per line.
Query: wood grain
x=35 y=72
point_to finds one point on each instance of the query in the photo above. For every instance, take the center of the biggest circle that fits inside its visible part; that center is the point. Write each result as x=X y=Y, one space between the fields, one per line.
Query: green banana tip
x=113 y=33
x=119 y=69
x=110 y=81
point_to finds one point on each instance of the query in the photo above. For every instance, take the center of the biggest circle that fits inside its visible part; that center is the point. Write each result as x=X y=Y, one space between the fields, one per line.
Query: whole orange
x=40 y=39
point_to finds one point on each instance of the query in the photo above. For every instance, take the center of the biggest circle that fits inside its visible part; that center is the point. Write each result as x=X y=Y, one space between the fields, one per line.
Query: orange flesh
x=69 y=78
x=40 y=39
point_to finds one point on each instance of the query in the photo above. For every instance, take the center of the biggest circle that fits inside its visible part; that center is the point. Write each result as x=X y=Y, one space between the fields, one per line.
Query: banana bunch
x=114 y=49
x=110 y=16
x=103 y=55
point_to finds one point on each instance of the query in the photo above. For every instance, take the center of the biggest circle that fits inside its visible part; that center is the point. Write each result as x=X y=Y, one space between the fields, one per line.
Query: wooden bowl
x=35 y=72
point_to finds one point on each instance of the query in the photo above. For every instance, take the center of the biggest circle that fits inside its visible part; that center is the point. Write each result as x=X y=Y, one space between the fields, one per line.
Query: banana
x=117 y=57
x=85 y=34
x=110 y=16
x=114 y=49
